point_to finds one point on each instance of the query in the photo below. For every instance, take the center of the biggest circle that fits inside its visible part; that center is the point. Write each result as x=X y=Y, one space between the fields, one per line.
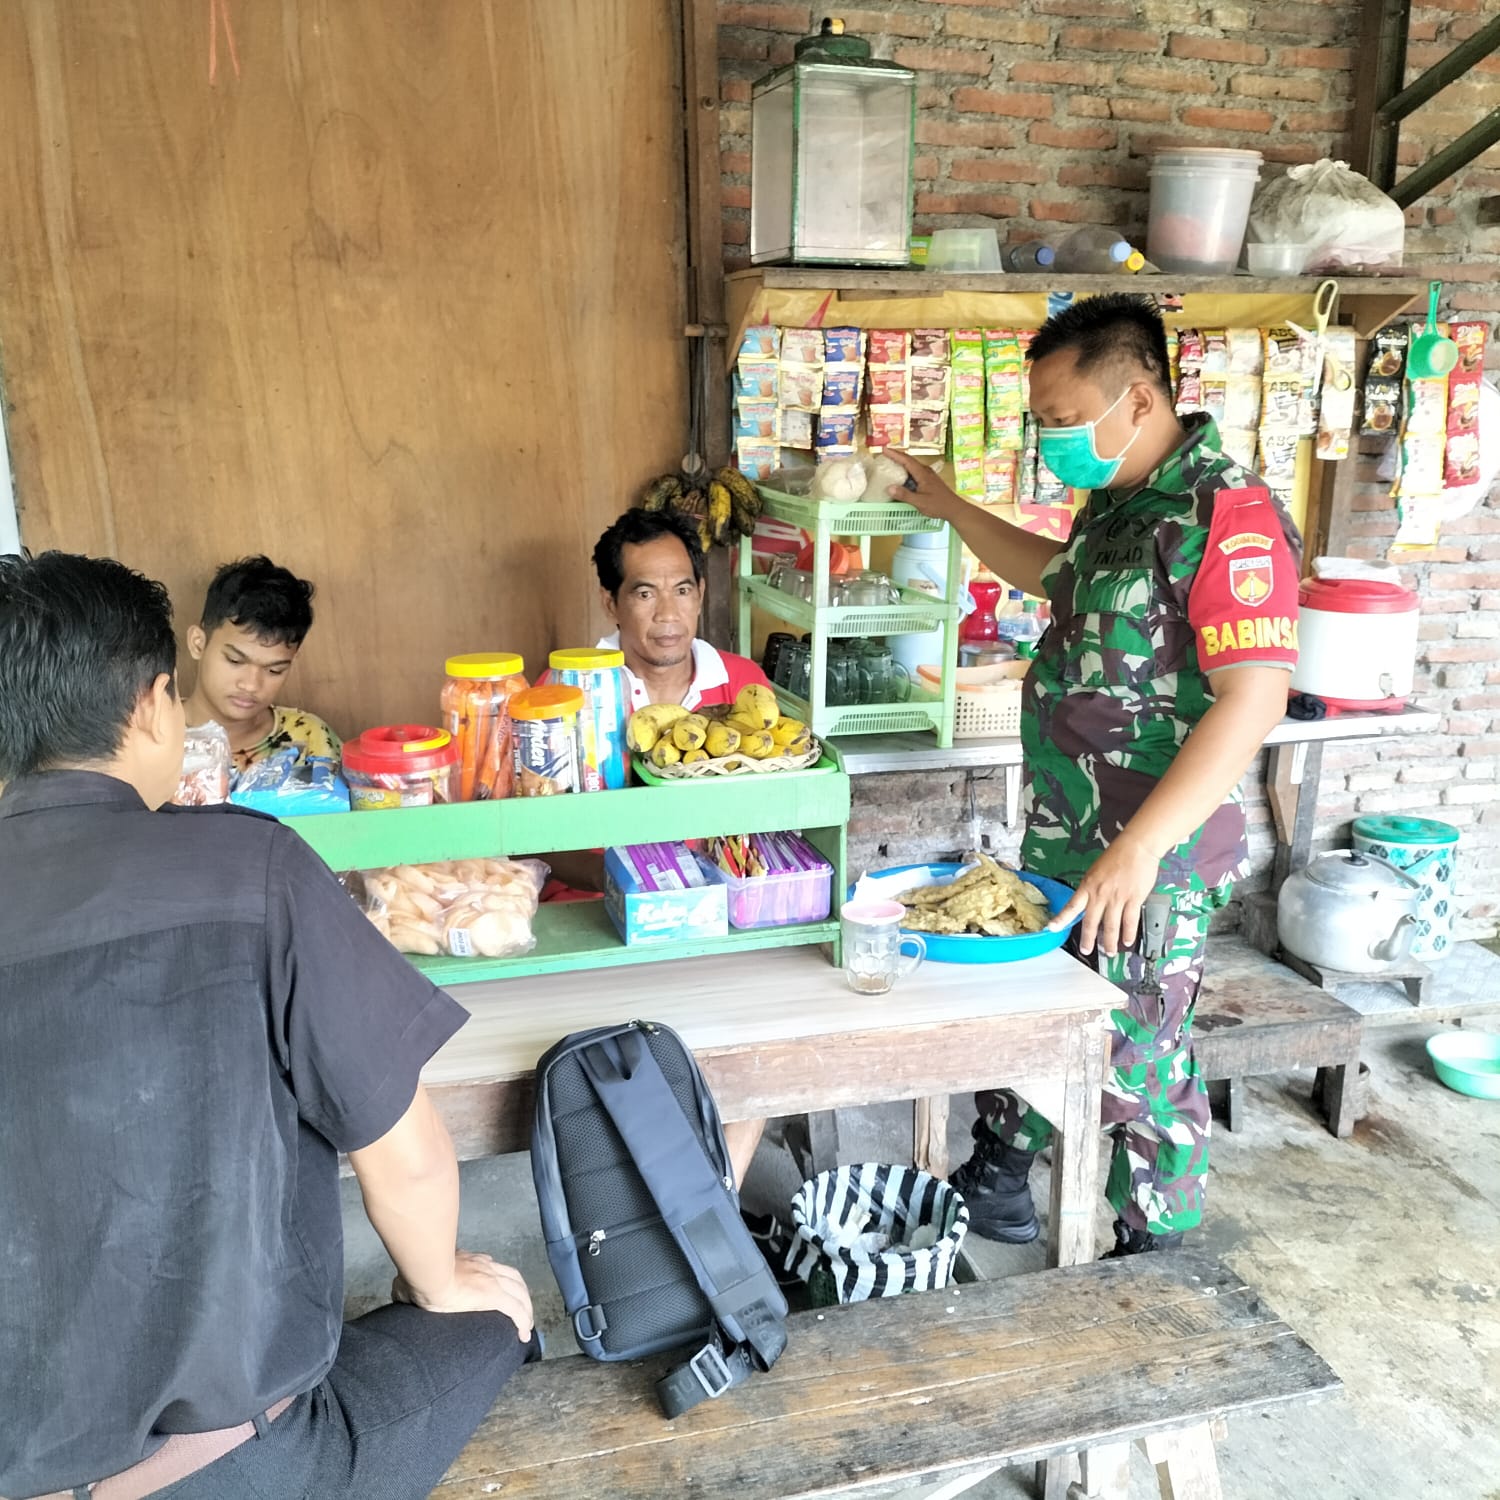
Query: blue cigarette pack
x=661 y=893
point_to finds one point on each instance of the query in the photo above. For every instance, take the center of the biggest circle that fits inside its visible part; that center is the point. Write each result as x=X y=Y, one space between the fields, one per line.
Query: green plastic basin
x=1468 y=1061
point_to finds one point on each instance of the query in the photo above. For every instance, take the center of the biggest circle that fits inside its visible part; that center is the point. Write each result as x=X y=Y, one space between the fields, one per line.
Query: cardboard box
x=676 y=910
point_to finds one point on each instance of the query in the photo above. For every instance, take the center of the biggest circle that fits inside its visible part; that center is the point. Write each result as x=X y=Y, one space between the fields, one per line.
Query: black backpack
x=640 y=1214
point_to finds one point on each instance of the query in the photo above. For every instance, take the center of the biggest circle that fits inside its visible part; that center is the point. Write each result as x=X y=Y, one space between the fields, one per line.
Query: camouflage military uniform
x=1195 y=571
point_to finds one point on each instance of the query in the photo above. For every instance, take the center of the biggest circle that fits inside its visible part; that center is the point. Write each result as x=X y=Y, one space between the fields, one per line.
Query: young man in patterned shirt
x=255 y=619
x=1174 y=631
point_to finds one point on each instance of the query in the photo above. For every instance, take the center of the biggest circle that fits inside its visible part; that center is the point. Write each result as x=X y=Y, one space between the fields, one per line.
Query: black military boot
x=994 y=1184
x=1140 y=1242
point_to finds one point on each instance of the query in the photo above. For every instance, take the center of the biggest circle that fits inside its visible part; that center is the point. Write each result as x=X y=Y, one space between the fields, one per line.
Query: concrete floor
x=1383 y=1251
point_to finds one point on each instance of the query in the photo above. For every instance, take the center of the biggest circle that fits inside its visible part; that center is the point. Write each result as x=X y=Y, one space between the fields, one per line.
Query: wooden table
x=779 y=1033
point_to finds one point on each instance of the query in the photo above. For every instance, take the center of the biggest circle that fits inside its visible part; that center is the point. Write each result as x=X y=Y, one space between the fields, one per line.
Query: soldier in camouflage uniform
x=1173 y=633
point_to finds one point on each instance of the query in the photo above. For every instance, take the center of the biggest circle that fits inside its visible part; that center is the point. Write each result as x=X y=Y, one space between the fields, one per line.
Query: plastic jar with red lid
x=401 y=765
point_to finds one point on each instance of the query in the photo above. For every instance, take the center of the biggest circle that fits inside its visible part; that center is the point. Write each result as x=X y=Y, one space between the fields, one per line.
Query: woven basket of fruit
x=749 y=736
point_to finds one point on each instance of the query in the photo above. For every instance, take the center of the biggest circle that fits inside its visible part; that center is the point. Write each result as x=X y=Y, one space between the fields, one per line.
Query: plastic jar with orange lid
x=476 y=712
x=546 y=740
x=401 y=765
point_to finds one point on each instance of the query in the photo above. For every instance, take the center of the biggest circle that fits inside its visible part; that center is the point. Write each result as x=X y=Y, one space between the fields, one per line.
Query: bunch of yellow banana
x=728 y=507
x=753 y=726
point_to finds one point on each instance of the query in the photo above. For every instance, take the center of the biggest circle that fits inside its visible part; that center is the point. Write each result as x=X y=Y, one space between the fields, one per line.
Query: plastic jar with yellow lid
x=476 y=712
x=599 y=673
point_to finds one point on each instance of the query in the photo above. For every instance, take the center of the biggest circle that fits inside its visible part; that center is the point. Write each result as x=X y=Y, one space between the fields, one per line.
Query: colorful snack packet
x=1336 y=411
x=836 y=433
x=756 y=419
x=841 y=385
x=802 y=346
x=799 y=387
x=1216 y=351
x=929 y=385
x=760 y=342
x=755 y=380
x=844 y=346
x=888 y=427
x=756 y=459
x=888 y=385
x=1281 y=402
x=794 y=428
x=1382 y=407
x=1388 y=352
x=1246 y=352
x=927 y=429
x=1470 y=338
x=1242 y=401
x=889 y=346
x=930 y=345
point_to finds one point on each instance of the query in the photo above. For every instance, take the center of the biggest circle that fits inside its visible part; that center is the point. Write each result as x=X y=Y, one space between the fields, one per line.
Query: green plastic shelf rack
x=821 y=621
x=579 y=935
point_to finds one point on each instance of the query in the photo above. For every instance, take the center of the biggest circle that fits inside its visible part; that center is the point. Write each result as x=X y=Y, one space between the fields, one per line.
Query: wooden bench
x=1256 y=1016
x=947 y=1386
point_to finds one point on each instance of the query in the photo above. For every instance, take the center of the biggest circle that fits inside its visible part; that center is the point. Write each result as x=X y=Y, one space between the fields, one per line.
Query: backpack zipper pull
x=596 y=1239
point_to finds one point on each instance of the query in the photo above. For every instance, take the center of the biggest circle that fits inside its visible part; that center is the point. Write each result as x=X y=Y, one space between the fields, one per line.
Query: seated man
x=650 y=568
x=194 y=1021
x=255 y=619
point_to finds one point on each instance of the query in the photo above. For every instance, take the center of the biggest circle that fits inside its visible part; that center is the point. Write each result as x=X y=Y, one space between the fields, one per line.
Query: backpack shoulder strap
x=700 y=1212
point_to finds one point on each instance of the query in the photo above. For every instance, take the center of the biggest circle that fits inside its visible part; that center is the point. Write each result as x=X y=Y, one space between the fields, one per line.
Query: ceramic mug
x=873 y=944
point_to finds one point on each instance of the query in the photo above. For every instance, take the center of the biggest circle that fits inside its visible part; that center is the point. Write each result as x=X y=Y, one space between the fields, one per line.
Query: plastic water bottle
x=1025 y=258
x=1025 y=628
x=1093 y=250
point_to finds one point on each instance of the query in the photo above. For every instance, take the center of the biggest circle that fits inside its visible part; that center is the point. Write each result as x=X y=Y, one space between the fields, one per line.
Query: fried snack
x=989 y=900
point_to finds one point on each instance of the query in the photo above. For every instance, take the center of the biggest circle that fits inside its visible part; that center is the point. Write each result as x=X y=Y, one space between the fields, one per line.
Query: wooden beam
x=1380 y=65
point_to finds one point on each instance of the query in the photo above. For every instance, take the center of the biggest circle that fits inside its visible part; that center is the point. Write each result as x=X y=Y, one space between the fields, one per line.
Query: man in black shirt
x=194 y=1021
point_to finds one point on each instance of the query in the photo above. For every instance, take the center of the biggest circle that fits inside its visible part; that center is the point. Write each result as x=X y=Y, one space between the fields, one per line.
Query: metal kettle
x=1348 y=911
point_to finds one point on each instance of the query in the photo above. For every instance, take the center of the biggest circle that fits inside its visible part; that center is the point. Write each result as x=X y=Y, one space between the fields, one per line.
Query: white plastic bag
x=1344 y=219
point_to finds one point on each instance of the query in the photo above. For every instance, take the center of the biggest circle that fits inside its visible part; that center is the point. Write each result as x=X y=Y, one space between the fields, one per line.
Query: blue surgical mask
x=1071 y=454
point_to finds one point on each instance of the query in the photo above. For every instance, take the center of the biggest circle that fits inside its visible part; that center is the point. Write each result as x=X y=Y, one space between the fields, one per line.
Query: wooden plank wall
x=390 y=290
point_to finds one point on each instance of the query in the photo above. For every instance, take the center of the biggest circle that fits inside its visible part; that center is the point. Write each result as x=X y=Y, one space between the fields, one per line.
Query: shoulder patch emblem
x=1250 y=579
x=1243 y=539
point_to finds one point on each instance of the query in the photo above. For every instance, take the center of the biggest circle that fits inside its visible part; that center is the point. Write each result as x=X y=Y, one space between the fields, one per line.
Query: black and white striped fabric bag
x=879 y=1230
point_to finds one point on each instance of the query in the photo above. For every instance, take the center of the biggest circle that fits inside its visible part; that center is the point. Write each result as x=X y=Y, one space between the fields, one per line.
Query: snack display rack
x=823 y=621
x=579 y=934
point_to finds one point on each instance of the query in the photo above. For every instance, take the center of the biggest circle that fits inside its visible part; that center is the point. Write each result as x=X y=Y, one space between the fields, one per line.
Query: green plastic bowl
x=1468 y=1061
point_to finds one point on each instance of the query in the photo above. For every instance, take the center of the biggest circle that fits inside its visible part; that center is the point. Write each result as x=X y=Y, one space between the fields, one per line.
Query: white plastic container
x=1200 y=205
x=1358 y=642
x=920 y=563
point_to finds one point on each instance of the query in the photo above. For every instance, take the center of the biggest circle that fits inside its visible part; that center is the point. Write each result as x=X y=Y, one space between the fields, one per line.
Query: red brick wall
x=1042 y=114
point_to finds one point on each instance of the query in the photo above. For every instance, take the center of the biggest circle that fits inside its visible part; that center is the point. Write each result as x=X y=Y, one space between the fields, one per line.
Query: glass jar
x=476 y=712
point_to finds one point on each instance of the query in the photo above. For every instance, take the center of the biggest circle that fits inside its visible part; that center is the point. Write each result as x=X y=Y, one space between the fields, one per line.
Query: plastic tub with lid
x=599 y=673
x=476 y=712
x=1427 y=851
x=1357 y=642
x=401 y=765
x=547 y=740
x=1200 y=206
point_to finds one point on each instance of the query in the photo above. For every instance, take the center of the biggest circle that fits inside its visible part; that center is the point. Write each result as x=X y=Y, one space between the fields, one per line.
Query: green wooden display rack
x=822 y=621
x=580 y=935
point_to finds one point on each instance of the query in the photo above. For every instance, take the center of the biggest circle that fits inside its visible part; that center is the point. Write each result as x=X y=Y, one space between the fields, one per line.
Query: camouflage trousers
x=1155 y=1105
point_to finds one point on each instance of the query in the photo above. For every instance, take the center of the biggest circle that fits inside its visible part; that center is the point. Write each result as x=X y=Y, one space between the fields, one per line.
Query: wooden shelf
x=1367 y=302
x=579 y=935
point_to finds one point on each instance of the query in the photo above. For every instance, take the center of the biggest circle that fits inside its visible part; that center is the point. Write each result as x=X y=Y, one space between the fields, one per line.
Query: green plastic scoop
x=1431 y=356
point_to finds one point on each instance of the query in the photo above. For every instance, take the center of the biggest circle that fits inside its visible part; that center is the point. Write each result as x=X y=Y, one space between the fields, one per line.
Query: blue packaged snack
x=286 y=785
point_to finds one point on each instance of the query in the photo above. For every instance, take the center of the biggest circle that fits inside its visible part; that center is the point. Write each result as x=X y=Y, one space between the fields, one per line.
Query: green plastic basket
x=847 y=517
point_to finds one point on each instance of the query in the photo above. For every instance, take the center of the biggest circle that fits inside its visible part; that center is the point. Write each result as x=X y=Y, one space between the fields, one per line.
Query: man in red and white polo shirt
x=650 y=569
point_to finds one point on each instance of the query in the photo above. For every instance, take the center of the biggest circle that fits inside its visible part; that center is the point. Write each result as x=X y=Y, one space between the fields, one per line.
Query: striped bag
x=841 y=1217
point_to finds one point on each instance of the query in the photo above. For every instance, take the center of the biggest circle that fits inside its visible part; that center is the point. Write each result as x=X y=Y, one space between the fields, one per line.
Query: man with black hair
x=1173 y=635
x=195 y=1020
x=254 y=621
x=650 y=569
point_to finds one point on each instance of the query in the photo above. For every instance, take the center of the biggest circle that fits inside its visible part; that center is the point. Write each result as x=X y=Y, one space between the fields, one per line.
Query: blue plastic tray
x=944 y=948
